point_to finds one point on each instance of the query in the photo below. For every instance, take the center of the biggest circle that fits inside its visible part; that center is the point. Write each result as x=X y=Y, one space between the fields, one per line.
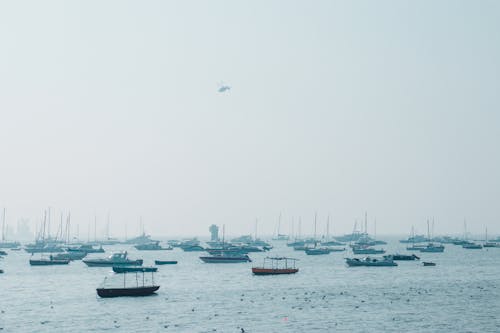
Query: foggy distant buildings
x=214 y=233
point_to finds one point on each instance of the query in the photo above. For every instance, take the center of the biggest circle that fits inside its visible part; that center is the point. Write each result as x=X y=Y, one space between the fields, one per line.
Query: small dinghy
x=427 y=263
x=165 y=262
x=126 y=269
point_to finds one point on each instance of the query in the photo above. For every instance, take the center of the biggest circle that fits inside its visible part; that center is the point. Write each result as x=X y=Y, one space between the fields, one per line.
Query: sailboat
x=5 y=244
x=431 y=247
x=490 y=244
x=280 y=237
x=470 y=245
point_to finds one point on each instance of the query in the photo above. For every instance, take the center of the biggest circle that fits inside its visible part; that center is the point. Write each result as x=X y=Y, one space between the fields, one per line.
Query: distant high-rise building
x=214 y=233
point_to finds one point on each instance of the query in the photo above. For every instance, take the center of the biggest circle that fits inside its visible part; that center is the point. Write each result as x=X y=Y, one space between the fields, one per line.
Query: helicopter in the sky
x=223 y=87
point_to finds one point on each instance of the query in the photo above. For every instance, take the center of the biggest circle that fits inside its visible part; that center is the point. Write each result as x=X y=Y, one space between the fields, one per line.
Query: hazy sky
x=340 y=107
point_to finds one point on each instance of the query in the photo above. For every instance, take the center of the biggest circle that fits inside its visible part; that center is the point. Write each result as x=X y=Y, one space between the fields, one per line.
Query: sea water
x=460 y=294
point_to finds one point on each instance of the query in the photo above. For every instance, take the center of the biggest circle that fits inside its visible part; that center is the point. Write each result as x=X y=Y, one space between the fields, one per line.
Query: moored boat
x=402 y=257
x=369 y=261
x=137 y=290
x=225 y=259
x=48 y=261
x=73 y=255
x=427 y=263
x=153 y=246
x=127 y=269
x=317 y=251
x=119 y=258
x=165 y=262
x=276 y=266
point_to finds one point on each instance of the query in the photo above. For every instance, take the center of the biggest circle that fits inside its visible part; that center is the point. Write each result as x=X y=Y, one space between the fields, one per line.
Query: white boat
x=369 y=261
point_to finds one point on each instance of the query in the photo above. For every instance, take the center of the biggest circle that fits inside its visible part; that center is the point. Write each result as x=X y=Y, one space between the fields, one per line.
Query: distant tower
x=214 y=232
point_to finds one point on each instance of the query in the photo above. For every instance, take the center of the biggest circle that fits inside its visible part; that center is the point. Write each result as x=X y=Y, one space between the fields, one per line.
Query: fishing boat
x=165 y=262
x=115 y=259
x=48 y=261
x=427 y=263
x=153 y=246
x=144 y=290
x=3 y=253
x=317 y=251
x=369 y=261
x=276 y=266
x=127 y=269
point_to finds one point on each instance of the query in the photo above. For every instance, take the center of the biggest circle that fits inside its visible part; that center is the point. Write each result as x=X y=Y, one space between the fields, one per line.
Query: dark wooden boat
x=126 y=269
x=137 y=290
x=276 y=266
x=3 y=253
x=1 y=271
x=426 y=263
x=133 y=291
x=165 y=262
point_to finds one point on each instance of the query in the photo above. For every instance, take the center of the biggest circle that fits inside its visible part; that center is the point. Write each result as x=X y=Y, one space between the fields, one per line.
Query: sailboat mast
x=3 y=226
x=328 y=227
x=366 y=223
x=315 y=216
x=256 y=220
x=279 y=225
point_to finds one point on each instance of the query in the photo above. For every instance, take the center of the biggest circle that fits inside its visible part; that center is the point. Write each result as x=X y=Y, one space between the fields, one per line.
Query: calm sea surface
x=460 y=294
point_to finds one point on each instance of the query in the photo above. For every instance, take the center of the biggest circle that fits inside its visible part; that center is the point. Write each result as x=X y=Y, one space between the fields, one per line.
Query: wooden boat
x=137 y=290
x=165 y=262
x=426 y=263
x=126 y=269
x=276 y=266
x=120 y=292
x=3 y=253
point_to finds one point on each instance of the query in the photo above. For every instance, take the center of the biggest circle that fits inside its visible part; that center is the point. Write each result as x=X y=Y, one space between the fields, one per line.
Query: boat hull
x=271 y=271
x=224 y=260
x=92 y=263
x=165 y=262
x=127 y=269
x=124 y=292
x=34 y=262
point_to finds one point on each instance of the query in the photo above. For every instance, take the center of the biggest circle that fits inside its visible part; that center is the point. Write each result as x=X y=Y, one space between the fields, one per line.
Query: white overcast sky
x=339 y=107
